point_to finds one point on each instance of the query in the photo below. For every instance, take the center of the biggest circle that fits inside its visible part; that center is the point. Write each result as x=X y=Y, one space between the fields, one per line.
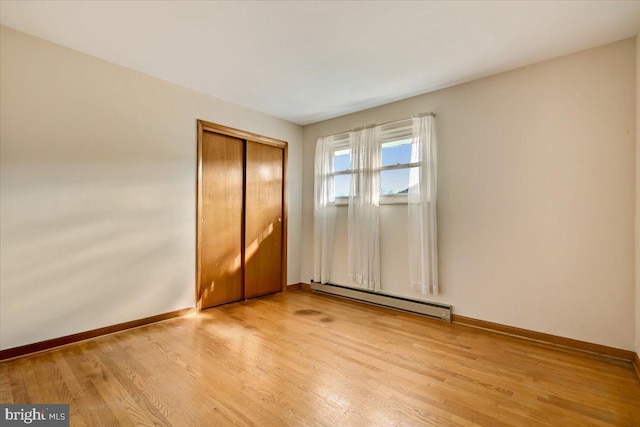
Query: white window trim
x=394 y=133
x=389 y=199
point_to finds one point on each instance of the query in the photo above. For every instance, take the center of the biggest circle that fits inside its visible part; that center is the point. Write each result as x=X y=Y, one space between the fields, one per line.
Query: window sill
x=399 y=199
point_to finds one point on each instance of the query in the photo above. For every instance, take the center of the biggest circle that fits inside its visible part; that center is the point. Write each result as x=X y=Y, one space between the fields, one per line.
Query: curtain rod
x=381 y=124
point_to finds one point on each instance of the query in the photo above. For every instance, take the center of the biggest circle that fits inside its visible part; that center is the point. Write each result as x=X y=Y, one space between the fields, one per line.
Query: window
x=341 y=170
x=396 y=162
x=395 y=146
x=393 y=162
x=396 y=165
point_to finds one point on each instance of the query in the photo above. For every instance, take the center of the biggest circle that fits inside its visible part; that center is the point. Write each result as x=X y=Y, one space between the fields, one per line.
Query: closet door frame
x=204 y=126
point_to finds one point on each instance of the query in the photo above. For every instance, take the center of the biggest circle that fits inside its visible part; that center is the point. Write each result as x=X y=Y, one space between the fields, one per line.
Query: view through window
x=394 y=170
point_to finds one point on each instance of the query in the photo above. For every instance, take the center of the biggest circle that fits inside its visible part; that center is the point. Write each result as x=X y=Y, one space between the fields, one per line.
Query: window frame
x=390 y=133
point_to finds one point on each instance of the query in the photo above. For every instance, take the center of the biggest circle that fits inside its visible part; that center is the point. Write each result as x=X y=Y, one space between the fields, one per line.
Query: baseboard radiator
x=429 y=309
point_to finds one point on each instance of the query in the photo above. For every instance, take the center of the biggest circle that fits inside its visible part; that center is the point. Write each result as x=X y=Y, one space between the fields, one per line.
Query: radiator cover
x=430 y=309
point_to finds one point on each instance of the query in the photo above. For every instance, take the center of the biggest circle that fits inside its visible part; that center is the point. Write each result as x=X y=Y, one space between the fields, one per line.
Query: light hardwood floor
x=300 y=358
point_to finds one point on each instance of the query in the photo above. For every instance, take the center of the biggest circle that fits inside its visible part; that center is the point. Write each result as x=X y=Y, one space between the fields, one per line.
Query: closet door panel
x=222 y=218
x=263 y=222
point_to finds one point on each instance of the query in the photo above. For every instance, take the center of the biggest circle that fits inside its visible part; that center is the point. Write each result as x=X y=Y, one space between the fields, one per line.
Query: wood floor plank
x=300 y=358
x=6 y=390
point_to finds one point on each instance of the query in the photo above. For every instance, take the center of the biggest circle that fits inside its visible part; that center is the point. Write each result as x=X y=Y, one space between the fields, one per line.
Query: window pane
x=341 y=160
x=396 y=152
x=341 y=185
x=395 y=181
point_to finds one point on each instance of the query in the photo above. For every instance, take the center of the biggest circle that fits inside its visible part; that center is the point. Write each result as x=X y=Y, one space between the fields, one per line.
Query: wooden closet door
x=263 y=221
x=221 y=219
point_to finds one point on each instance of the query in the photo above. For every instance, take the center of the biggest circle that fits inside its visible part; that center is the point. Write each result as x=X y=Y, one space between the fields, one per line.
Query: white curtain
x=364 y=209
x=324 y=213
x=422 y=197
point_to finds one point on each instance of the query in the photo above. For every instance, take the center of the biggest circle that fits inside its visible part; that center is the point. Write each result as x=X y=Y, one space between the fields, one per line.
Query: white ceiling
x=309 y=61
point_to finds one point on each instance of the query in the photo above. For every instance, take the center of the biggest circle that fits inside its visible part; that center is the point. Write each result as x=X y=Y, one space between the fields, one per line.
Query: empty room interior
x=320 y=213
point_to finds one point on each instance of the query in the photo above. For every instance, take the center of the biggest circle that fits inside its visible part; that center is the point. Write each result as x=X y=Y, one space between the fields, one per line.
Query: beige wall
x=98 y=190
x=536 y=196
x=637 y=325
